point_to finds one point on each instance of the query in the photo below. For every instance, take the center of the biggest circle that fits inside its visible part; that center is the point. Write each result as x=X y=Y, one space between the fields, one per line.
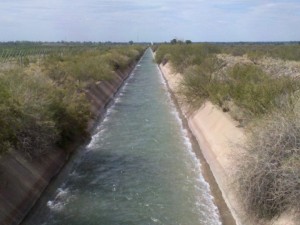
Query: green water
x=138 y=169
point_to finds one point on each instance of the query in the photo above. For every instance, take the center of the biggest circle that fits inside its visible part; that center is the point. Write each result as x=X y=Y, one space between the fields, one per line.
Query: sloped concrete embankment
x=216 y=134
x=22 y=181
x=220 y=139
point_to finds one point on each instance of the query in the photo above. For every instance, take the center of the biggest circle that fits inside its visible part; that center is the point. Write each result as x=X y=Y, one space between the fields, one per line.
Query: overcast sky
x=149 y=20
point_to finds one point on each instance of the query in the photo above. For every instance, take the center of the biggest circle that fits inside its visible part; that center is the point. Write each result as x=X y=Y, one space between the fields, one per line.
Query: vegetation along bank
x=242 y=104
x=48 y=102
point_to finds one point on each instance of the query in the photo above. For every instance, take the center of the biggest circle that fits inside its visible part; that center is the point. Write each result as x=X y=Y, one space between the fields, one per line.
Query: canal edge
x=77 y=147
x=226 y=216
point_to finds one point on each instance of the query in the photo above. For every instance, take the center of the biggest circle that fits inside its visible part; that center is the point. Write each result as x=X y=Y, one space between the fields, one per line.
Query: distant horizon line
x=129 y=42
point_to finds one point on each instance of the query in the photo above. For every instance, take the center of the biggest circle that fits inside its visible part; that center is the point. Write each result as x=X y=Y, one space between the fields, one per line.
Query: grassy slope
x=43 y=104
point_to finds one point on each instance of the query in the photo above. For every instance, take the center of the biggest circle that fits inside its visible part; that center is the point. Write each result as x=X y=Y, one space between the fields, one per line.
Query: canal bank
x=24 y=180
x=139 y=167
x=172 y=82
x=220 y=138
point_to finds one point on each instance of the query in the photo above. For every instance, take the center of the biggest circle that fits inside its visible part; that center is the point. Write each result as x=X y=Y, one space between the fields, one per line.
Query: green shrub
x=8 y=118
x=28 y=125
x=246 y=86
x=89 y=66
x=115 y=60
x=251 y=89
x=200 y=83
x=71 y=112
x=85 y=68
x=183 y=56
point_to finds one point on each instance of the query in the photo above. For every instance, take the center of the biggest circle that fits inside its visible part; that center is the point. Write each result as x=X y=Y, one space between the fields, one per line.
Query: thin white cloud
x=157 y=20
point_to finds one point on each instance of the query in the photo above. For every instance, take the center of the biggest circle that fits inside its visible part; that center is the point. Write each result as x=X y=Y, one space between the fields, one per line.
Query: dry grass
x=269 y=174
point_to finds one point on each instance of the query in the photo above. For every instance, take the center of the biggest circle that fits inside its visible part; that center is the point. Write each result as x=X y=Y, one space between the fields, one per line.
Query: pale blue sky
x=149 y=20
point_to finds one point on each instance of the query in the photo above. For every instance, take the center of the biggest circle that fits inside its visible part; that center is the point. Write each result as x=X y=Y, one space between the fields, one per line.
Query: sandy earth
x=219 y=137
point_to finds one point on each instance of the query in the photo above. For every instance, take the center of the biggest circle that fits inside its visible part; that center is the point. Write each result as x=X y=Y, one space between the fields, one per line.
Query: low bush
x=89 y=66
x=269 y=174
x=28 y=123
x=71 y=112
x=83 y=67
x=8 y=118
x=247 y=86
x=183 y=56
x=200 y=83
x=251 y=89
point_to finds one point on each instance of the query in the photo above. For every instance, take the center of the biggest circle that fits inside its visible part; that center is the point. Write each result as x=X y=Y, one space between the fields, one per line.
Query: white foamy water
x=202 y=186
x=62 y=197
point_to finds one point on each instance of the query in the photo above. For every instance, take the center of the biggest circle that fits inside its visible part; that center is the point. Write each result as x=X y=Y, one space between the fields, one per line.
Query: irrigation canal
x=138 y=169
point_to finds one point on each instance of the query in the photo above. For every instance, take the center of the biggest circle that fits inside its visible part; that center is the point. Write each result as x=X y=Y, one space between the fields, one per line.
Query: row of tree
x=177 y=41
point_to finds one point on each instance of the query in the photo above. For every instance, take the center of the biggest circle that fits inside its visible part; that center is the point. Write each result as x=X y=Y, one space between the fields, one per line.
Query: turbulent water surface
x=138 y=169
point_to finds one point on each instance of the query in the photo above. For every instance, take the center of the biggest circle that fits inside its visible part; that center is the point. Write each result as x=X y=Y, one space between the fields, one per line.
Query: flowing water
x=139 y=167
